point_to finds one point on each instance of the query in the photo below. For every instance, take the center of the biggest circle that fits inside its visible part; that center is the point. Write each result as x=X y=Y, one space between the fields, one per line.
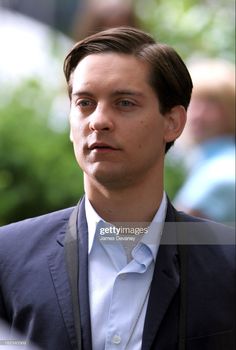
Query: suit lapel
x=164 y=285
x=60 y=280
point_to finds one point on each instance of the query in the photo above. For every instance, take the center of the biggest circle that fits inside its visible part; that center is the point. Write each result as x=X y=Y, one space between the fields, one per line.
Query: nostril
x=101 y=125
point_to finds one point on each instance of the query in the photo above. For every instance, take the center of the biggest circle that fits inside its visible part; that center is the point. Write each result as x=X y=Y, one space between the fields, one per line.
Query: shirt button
x=116 y=339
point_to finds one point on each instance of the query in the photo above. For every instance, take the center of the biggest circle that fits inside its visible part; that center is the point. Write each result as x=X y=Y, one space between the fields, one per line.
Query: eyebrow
x=127 y=92
x=80 y=93
x=114 y=93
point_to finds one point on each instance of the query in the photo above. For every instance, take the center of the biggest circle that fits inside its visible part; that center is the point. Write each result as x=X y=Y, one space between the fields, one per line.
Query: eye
x=125 y=103
x=85 y=103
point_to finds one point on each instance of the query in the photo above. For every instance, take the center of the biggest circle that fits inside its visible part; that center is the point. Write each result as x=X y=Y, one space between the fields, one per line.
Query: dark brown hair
x=169 y=76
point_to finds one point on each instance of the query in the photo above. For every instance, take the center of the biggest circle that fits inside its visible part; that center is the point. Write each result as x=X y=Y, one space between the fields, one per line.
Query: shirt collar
x=92 y=219
x=151 y=239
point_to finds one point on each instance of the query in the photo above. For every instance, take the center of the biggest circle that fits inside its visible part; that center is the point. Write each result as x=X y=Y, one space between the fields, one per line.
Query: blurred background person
x=103 y=14
x=209 y=190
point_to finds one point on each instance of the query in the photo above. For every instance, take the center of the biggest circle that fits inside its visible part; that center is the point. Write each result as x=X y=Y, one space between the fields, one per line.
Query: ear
x=175 y=121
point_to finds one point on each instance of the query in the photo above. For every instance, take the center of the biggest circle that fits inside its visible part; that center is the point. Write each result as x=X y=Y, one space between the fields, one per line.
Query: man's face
x=117 y=130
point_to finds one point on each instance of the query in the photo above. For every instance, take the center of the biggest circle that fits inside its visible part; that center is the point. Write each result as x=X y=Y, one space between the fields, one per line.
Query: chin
x=111 y=178
x=108 y=180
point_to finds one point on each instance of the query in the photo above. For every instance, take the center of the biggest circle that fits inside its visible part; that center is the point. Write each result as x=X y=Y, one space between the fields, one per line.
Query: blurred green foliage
x=38 y=172
x=193 y=27
x=174 y=174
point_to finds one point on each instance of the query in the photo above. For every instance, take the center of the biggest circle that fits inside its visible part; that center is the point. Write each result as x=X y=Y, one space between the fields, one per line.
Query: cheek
x=76 y=128
x=140 y=134
x=149 y=135
x=77 y=140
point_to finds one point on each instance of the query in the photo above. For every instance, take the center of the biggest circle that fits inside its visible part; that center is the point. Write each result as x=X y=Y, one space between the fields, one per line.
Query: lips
x=101 y=146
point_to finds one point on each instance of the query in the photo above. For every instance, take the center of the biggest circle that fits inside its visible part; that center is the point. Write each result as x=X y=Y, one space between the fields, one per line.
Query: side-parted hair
x=169 y=76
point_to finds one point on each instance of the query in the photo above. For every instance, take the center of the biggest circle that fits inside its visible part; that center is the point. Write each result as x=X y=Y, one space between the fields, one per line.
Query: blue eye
x=85 y=103
x=126 y=103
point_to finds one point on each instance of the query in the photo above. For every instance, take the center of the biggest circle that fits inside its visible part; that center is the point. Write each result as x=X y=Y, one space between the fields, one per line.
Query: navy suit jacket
x=35 y=296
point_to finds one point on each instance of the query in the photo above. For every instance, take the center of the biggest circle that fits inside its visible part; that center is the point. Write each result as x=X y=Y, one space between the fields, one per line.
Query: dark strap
x=182 y=249
x=72 y=262
x=183 y=297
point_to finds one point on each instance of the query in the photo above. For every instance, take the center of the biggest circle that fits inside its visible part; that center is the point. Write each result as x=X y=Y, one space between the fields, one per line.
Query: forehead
x=111 y=68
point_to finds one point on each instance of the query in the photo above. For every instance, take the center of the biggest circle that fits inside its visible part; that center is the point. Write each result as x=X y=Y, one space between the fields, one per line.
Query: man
x=209 y=190
x=79 y=278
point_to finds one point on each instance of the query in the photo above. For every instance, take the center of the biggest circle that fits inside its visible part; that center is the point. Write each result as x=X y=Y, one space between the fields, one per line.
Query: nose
x=101 y=119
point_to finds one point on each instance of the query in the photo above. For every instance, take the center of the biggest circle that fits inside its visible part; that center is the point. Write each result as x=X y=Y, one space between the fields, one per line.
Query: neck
x=137 y=203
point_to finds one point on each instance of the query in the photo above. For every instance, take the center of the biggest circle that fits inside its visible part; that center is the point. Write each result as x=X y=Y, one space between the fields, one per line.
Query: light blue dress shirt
x=119 y=291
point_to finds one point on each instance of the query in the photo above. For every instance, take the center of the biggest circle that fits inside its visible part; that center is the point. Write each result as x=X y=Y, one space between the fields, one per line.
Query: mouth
x=101 y=147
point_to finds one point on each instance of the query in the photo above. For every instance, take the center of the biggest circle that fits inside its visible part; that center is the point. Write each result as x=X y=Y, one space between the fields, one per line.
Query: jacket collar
x=61 y=282
x=165 y=282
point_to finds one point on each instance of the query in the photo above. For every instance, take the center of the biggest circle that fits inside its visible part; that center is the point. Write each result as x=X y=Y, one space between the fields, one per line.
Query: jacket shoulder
x=29 y=229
